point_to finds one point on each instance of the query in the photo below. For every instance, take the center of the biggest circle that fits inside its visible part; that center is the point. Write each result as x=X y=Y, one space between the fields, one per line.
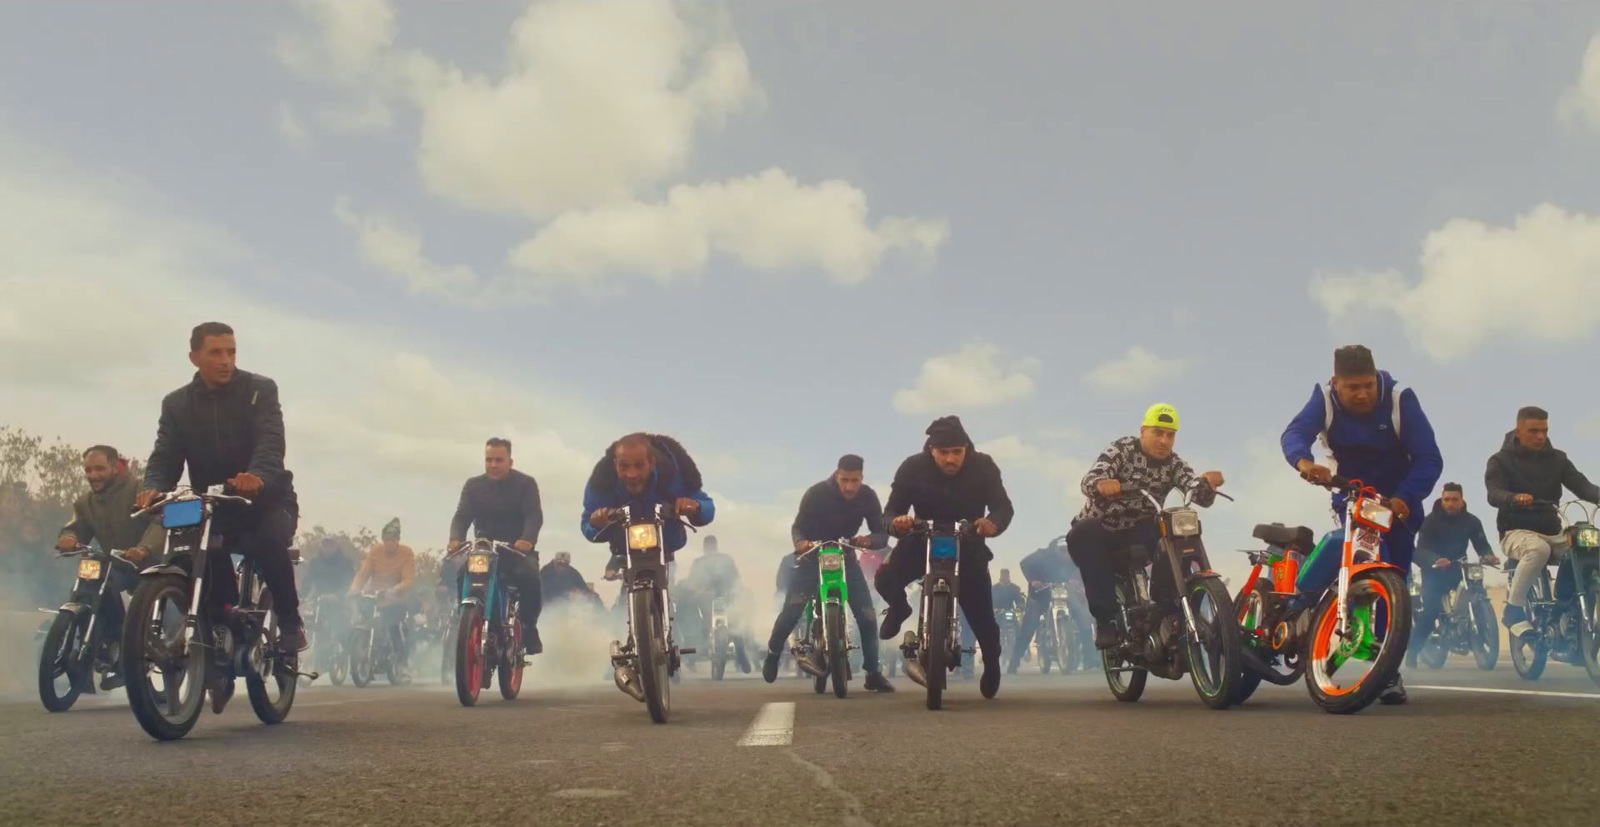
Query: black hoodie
x=1516 y=470
x=1445 y=536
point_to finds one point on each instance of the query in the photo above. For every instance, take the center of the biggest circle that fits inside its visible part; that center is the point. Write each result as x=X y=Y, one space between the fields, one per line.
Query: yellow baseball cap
x=1161 y=415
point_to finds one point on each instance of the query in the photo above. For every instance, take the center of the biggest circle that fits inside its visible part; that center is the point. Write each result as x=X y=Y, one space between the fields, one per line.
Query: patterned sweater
x=1127 y=462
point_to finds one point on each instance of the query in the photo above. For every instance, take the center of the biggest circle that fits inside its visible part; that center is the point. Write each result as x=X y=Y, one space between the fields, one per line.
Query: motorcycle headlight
x=1376 y=513
x=1588 y=537
x=643 y=537
x=1474 y=572
x=1060 y=592
x=1185 y=522
x=831 y=562
x=478 y=564
x=88 y=569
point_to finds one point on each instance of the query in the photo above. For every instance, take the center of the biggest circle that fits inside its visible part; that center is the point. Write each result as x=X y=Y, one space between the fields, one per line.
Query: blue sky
x=753 y=225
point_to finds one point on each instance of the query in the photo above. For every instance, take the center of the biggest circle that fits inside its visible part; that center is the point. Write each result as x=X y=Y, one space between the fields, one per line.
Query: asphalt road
x=1055 y=750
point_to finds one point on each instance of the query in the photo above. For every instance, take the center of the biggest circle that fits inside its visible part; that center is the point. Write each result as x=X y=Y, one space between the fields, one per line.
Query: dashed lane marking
x=773 y=727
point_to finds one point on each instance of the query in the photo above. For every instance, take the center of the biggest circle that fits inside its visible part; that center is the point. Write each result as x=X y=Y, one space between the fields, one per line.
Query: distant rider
x=503 y=505
x=1441 y=549
x=389 y=569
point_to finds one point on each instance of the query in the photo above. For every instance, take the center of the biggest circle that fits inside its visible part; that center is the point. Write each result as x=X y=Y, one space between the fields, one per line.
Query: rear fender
x=159 y=571
x=1363 y=567
x=76 y=609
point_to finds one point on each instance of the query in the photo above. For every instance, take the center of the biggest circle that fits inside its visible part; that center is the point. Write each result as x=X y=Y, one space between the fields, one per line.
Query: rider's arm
x=532 y=513
x=1001 y=511
x=463 y=517
x=1495 y=485
x=1185 y=477
x=1304 y=429
x=266 y=459
x=708 y=509
x=1425 y=557
x=165 y=464
x=592 y=503
x=80 y=527
x=1032 y=567
x=808 y=504
x=1480 y=542
x=1106 y=467
x=1426 y=461
x=1579 y=484
x=873 y=512
x=362 y=576
x=408 y=569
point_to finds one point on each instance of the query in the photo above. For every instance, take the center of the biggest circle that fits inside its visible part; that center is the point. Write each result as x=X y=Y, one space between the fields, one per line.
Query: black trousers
x=263 y=538
x=909 y=562
x=393 y=619
x=524 y=574
x=804 y=586
x=1091 y=545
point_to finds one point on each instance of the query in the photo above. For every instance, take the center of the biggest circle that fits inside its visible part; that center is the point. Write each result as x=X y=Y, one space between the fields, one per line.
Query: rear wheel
x=340 y=664
x=64 y=662
x=650 y=641
x=719 y=653
x=1485 y=636
x=511 y=661
x=1589 y=636
x=838 y=656
x=1529 y=654
x=935 y=648
x=1379 y=627
x=271 y=682
x=166 y=678
x=360 y=647
x=1214 y=660
x=1125 y=679
x=469 y=660
x=1067 y=644
x=1435 y=652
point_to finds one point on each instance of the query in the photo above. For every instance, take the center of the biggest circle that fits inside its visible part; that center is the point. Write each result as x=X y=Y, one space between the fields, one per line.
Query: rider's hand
x=1399 y=507
x=863 y=541
x=1489 y=560
x=68 y=542
x=600 y=517
x=454 y=546
x=247 y=484
x=687 y=507
x=523 y=545
x=1036 y=585
x=1523 y=499
x=904 y=523
x=1316 y=473
x=135 y=555
x=1109 y=488
x=986 y=528
x=1441 y=563
x=145 y=498
x=1214 y=478
x=804 y=546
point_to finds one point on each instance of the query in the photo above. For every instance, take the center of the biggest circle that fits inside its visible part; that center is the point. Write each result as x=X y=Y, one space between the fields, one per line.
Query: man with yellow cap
x=1110 y=521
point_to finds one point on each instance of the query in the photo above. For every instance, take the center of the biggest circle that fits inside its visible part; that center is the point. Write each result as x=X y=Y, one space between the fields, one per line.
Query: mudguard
x=168 y=568
x=76 y=608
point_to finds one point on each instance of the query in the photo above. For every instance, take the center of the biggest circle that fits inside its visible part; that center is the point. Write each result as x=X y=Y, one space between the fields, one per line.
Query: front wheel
x=719 y=653
x=1485 y=635
x=469 y=663
x=935 y=644
x=339 y=665
x=1215 y=663
x=361 y=666
x=154 y=649
x=838 y=656
x=1378 y=629
x=650 y=641
x=271 y=682
x=1589 y=637
x=1067 y=643
x=511 y=661
x=1435 y=652
x=64 y=663
x=1529 y=654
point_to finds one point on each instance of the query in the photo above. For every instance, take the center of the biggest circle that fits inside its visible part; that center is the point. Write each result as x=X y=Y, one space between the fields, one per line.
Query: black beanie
x=946 y=432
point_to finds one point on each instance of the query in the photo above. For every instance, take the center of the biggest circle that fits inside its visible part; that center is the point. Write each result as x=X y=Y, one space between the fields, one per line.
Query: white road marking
x=773 y=727
x=1539 y=693
x=824 y=779
x=588 y=792
x=336 y=703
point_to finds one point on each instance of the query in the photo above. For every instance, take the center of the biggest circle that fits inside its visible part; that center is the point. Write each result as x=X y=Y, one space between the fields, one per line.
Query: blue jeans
x=1321 y=568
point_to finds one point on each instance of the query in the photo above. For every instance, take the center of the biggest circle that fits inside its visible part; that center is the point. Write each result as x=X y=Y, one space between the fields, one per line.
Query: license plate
x=478 y=564
x=1368 y=542
x=88 y=569
x=944 y=548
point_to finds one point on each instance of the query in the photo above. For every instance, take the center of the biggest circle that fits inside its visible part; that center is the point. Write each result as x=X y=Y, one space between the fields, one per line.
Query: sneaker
x=221 y=693
x=769 y=668
x=990 y=683
x=292 y=639
x=743 y=662
x=1515 y=618
x=1394 y=694
x=893 y=618
x=1105 y=636
x=531 y=639
x=876 y=682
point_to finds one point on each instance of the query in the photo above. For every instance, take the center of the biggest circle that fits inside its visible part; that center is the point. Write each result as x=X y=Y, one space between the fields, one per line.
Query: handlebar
x=83 y=551
x=214 y=495
x=816 y=544
x=961 y=528
x=494 y=545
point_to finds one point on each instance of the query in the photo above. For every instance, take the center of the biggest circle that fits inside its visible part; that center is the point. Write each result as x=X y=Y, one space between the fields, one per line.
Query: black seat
x=1298 y=538
x=1130 y=557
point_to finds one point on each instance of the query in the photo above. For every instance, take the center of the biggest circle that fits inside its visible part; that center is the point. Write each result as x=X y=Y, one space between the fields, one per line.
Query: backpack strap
x=1394 y=414
x=1327 y=425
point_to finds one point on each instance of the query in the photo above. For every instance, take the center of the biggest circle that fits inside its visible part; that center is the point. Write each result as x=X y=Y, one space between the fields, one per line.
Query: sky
x=786 y=231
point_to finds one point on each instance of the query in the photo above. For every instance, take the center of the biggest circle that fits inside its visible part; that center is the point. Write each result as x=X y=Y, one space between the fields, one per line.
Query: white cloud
x=1481 y=283
x=598 y=110
x=370 y=117
x=1053 y=468
x=397 y=250
x=1136 y=371
x=973 y=377
x=291 y=128
x=768 y=221
x=1580 y=103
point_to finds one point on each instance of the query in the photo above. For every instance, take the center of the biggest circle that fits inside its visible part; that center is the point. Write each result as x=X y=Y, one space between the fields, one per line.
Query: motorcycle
x=488 y=637
x=1009 y=621
x=721 y=639
x=1567 y=629
x=1466 y=624
x=1204 y=642
x=644 y=666
x=1364 y=617
x=934 y=650
x=1061 y=626
x=76 y=647
x=824 y=646
x=168 y=632
x=326 y=631
x=371 y=648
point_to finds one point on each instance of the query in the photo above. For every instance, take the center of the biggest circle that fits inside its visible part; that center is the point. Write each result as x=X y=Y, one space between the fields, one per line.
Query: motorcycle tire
x=1067 y=644
x=470 y=670
x=1529 y=659
x=935 y=647
x=280 y=674
x=361 y=666
x=1388 y=586
x=65 y=631
x=655 y=667
x=1130 y=689
x=838 y=656
x=1435 y=652
x=510 y=677
x=719 y=654
x=197 y=670
x=1219 y=685
x=1589 y=636
x=1485 y=634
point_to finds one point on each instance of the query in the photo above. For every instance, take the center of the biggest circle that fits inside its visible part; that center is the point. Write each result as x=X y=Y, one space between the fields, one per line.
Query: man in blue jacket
x=1376 y=432
x=1441 y=549
x=642 y=471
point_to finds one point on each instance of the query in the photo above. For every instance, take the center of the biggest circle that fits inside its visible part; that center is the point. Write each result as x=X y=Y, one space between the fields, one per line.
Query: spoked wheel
x=339 y=664
x=838 y=656
x=654 y=667
x=166 y=677
x=935 y=649
x=1214 y=660
x=361 y=666
x=1126 y=679
x=1435 y=652
x=1067 y=644
x=64 y=662
x=1347 y=672
x=1485 y=635
x=270 y=681
x=511 y=661
x=469 y=660
x=719 y=653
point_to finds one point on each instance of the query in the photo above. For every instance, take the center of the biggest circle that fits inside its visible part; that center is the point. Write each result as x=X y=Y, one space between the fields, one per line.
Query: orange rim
x=474 y=663
x=1323 y=642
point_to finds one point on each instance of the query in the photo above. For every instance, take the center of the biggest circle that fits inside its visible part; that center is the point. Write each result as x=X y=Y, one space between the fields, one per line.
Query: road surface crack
x=824 y=779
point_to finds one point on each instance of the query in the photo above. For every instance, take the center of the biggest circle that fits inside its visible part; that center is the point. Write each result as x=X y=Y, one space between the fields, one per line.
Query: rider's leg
x=1090 y=544
x=1032 y=613
x=861 y=607
x=977 y=600
x=1532 y=552
x=1436 y=586
x=531 y=603
x=906 y=563
x=267 y=543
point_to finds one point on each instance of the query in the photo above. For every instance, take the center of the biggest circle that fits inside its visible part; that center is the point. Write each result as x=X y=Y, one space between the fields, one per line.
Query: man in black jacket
x=1528 y=471
x=831 y=510
x=948 y=480
x=1441 y=549
x=1042 y=569
x=503 y=505
x=227 y=426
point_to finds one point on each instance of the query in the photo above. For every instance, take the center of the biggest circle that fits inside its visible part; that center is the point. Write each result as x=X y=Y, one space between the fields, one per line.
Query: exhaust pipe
x=1254 y=663
x=628 y=682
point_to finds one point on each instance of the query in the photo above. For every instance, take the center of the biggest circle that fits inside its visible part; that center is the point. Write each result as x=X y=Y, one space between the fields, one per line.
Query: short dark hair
x=499 y=442
x=197 y=337
x=106 y=451
x=852 y=463
x=1531 y=412
x=1354 y=360
x=637 y=440
x=1452 y=487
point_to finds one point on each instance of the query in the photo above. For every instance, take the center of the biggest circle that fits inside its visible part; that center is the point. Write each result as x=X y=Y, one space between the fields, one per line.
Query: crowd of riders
x=226 y=428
